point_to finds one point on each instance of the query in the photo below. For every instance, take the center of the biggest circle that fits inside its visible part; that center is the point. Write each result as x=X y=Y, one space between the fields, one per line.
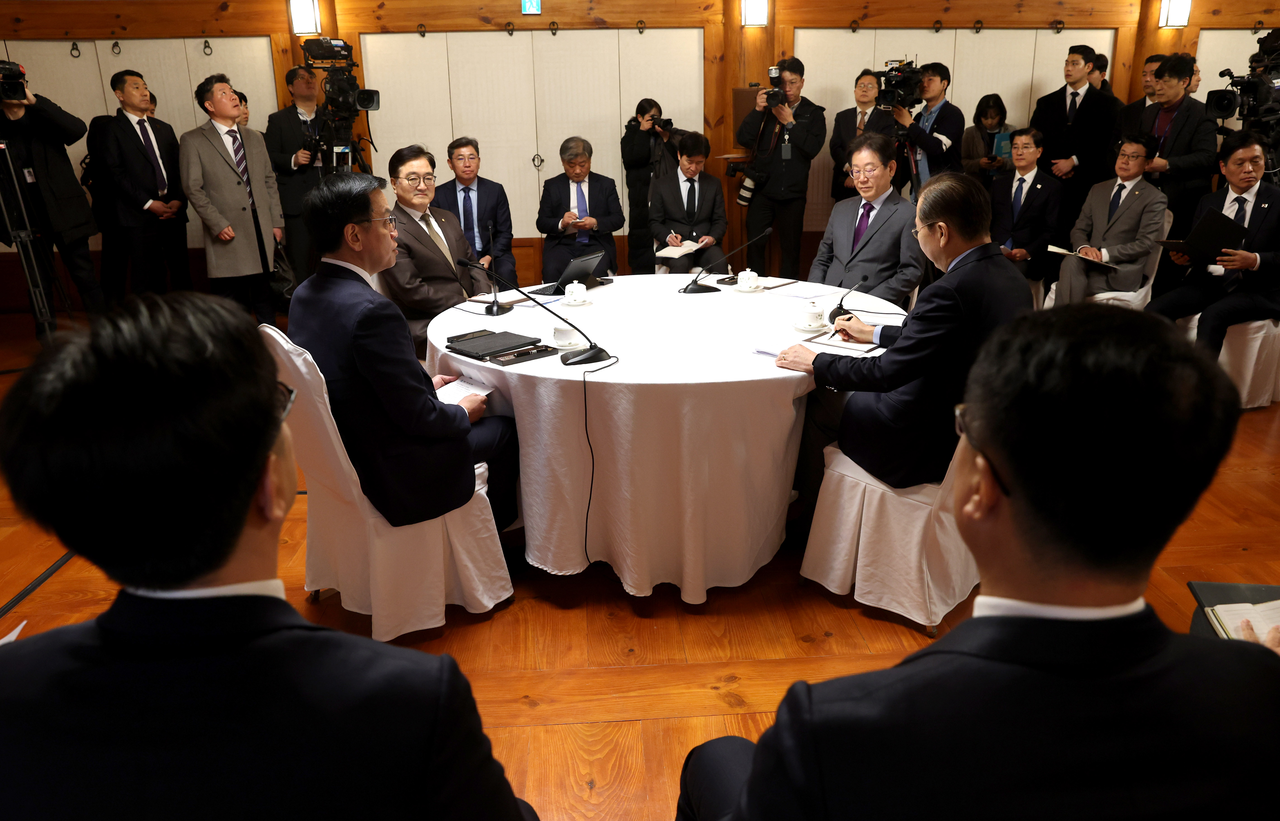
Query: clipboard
x=1210 y=235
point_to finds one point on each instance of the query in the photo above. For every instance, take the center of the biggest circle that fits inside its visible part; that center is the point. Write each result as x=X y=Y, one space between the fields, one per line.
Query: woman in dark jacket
x=648 y=151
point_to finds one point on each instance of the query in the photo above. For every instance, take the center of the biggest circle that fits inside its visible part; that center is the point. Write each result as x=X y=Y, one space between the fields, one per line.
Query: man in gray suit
x=426 y=279
x=868 y=245
x=227 y=176
x=1120 y=224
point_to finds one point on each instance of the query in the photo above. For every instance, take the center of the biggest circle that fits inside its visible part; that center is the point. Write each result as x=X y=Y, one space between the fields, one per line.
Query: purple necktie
x=583 y=234
x=161 y=184
x=241 y=165
x=863 y=222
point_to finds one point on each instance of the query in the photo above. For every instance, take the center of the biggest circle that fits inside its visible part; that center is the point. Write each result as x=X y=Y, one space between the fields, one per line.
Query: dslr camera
x=664 y=123
x=900 y=85
x=775 y=95
x=12 y=86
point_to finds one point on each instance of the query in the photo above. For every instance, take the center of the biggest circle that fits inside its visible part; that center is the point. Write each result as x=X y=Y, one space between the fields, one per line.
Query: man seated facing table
x=1024 y=208
x=1064 y=696
x=414 y=454
x=1244 y=284
x=199 y=692
x=426 y=279
x=579 y=212
x=481 y=207
x=688 y=206
x=897 y=423
x=868 y=245
x=1121 y=224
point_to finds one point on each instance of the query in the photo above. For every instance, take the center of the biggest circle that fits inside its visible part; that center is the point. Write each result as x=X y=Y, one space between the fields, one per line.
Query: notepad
x=677 y=251
x=1055 y=249
x=1225 y=618
x=453 y=392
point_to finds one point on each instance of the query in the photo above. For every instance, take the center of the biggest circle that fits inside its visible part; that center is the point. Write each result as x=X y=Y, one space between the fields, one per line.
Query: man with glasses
x=864 y=117
x=199 y=691
x=481 y=207
x=892 y=413
x=1042 y=702
x=1024 y=209
x=578 y=212
x=289 y=133
x=1120 y=225
x=1244 y=284
x=426 y=279
x=868 y=245
x=414 y=454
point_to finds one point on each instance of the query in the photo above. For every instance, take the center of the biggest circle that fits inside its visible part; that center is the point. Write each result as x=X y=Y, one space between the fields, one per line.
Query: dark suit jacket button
x=246 y=209
x=237 y=182
x=864 y=278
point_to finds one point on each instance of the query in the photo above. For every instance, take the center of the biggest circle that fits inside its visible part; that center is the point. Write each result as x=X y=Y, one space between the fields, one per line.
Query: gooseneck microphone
x=696 y=288
x=494 y=308
x=592 y=353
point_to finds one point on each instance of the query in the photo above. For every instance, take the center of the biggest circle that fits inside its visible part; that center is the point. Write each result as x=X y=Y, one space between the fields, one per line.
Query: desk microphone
x=695 y=288
x=592 y=353
x=494 y=308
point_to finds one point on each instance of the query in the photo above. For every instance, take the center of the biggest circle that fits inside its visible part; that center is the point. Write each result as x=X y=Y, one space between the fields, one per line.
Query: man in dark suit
x=688 y=206
x=426 y=279
x=1129 y=120
x=897 y=421
x=136 y=171
x=196 y=693
x=1244 y=284
x=868 y=245
x=1187 y=148
x=784 y=140
x=579 y=212
x=854 y=122
x=1064 y=678
x=290 y=137
x=37 y=133
x=935 y=134
x=1098 y=77
x=414 y=454
x=1024 y=231
x=1120 y=225
x=1078 y=124
x=486 y=223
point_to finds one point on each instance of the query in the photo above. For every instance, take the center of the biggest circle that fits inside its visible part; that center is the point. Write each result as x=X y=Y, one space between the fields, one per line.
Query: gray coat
x=1128 y=237
x=215 y=189
x=887 y=263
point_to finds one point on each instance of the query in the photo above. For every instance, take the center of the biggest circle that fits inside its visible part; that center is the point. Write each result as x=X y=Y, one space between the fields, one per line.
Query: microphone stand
x=695 y=288
x=592 y=353
x=494 y=308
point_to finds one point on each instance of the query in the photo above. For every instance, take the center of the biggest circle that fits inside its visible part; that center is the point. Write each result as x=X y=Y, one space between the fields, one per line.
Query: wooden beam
x=59 y=20
x=956 y=14
x=463 y=15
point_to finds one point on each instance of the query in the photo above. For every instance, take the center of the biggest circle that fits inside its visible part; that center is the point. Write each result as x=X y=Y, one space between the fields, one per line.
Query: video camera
x=12 y=86
x=900 y=85
x=343 y=102
x=1255 y=95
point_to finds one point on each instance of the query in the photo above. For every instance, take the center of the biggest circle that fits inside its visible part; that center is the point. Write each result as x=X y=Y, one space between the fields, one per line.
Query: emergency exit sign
x=531 y=6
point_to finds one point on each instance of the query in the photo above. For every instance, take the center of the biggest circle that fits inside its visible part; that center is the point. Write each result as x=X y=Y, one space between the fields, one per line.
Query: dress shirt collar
x=1030 y=177
x=473 y=187
x=135 y=119
x=956 y=261
x=223 y=129
x=263 y=587
x=998 y=606
x=1082 y=89
x=868 y=110
x=362 y=272
x=585 y=182
x=302 y=115
x=695 y=178
x=1250 y=196
x=878 y=202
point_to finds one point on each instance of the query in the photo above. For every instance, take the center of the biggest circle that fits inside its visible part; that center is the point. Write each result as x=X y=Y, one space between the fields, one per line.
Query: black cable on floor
x=586 y=426
x=11 y=371
x=31 y=588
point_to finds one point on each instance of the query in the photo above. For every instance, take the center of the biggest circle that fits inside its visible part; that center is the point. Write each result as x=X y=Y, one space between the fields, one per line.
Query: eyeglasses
x=465 y=158
x=1127 y=157
x=915 y=232
x=867 y=87
x=286 y=398
x=867 y=172
x=389 y=220
x=961 y=431
x=414 y=180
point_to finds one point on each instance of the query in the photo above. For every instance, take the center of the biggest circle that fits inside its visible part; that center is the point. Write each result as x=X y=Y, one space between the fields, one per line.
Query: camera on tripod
x=11 y=85
x=343 y=101
x=775 y=96
x=900 y=85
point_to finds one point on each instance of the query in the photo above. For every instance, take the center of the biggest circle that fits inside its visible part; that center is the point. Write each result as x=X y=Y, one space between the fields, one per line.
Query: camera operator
x=935 y=133
x=649 y=146
x=785 y=138
x=37 y=133
x=291 y=142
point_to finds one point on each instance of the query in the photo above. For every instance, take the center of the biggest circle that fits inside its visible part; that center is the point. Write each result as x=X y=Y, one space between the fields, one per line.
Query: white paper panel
x=995 y=61
x=1224 y=48
x=412 y=75
x=491 y=89
x=663 y=65
x=71 y=82
x=576 y=92
x=1051 y=56
x=247 y=61
x=832 y=59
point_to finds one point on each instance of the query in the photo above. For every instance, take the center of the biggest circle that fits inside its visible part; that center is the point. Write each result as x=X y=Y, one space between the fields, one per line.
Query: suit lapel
x=415 y=229
x=211 y=132
x=886 y=212
x=1030 y=195
x=126 y=126
x=1262 y=206
x=1132 y=199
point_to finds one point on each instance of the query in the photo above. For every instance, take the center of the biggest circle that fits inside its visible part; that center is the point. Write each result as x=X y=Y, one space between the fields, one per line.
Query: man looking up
x=194 y=695
x=290 y=136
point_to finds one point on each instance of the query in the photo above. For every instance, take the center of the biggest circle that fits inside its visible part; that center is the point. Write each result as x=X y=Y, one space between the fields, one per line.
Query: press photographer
x=785 y=132
x=36 y=133
x=649 y=144
x=930 y=140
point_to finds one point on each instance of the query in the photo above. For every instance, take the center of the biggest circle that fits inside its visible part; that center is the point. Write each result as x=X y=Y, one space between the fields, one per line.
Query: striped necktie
x=237 y=153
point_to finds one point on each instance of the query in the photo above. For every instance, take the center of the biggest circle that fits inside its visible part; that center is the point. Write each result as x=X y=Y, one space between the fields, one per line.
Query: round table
x=694 y=432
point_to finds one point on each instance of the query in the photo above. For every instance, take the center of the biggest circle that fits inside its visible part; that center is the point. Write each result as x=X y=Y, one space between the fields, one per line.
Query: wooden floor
x=592 y=697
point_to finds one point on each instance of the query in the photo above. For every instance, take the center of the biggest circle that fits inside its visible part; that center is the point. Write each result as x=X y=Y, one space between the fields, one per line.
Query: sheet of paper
x=808 y=290
x=12 y=637
x=1055 y=249
x=677 y=251
x=827 y=341
x=453 y=392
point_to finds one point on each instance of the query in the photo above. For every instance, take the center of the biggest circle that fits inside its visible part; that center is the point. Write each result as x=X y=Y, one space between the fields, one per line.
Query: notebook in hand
x=1212 y=594
x=1211 y=234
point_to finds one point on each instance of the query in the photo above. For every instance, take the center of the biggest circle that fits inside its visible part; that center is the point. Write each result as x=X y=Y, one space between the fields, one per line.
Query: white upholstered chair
x=1251 y=357
x=1136 y=300
x=896 y=549
x=401 y=576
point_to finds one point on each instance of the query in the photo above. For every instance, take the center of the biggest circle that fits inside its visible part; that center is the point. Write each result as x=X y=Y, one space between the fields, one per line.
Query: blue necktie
x=1017 y=206
x=469 y=220
x=1115 y=201
x=1240 y=202
x=584 y=235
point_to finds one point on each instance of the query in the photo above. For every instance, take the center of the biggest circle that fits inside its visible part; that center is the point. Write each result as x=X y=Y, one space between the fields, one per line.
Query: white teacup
x=748 y=280
x=811 y=316
x=564 y=336
x=575 y=292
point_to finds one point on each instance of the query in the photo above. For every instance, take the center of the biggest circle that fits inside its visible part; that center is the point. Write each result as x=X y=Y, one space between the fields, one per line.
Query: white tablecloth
x=695 y=434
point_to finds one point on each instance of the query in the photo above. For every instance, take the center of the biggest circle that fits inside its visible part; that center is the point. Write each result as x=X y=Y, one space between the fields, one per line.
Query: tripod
x=37 y=262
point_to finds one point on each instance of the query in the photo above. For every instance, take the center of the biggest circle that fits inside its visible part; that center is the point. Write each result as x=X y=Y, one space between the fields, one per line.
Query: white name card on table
x=453 y=392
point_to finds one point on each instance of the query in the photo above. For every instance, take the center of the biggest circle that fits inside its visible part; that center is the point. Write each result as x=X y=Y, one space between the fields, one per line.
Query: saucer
x=571 y=346
x=811 y=329
x=742 y=290
x=566 y=303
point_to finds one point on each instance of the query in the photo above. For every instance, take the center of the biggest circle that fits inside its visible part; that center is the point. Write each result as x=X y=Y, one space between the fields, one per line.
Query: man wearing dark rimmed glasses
x=198 y=693
x=1065 y=695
